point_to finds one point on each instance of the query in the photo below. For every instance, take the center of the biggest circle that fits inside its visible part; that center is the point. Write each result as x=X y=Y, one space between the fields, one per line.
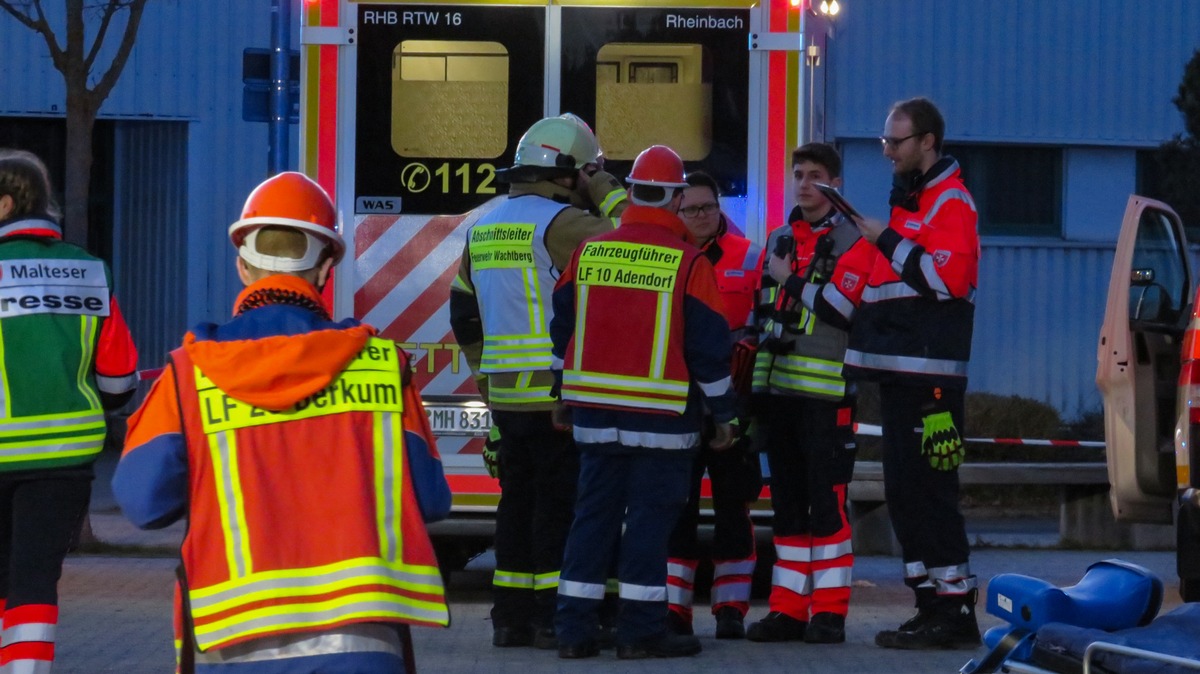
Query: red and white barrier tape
x=877 y=431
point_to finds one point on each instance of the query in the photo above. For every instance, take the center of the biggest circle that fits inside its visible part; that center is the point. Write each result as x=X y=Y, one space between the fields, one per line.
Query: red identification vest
x=304 y=519
x=627 y=349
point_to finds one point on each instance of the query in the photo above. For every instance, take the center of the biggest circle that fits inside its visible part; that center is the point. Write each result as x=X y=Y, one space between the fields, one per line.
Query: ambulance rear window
x=650 y=94
x=449 y=99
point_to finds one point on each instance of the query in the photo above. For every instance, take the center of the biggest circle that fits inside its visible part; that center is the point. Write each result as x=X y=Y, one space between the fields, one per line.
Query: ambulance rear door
x=675 y=75
x=444 y=92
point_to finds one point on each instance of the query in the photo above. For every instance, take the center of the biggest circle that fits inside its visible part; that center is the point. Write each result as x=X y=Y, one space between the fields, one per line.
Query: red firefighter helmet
x=658 y=165
x=293 y=200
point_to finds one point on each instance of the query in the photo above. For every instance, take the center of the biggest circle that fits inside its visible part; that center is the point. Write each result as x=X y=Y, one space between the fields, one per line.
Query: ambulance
x=408 y=109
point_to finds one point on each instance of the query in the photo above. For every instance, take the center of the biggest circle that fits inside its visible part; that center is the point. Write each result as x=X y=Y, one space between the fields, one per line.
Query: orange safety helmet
x=658 y=165
x=289 y=199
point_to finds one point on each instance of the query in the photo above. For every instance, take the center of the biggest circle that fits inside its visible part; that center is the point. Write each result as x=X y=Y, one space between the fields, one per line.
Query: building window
x=1017 y=189
x=1169 y=174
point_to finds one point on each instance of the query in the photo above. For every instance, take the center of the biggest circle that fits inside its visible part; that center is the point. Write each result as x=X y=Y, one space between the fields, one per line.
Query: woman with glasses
x=735 y=475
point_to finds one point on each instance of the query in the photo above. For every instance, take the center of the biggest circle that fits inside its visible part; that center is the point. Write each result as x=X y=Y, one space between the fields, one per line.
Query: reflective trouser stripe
x=27 y=640
x=791 y=581
x=574 y=588
x=681 y=577
x=915 y=570
x=642 y=592
x=27 y=659
x=731 y=583
x=545 y=581
x=513 y=579
x=956 y=579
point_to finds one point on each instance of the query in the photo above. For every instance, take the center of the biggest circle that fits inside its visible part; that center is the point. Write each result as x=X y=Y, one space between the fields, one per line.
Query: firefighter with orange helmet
x=637 y=396
x=298 y=449
x=500 y=312
x=66 y=356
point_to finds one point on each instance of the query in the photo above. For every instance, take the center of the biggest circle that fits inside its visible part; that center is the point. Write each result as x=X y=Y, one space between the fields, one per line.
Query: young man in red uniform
x=642 y=348
x=913 y=336
x=734 y=474
x=806 y=408
x=66 y=356
x=298 y=449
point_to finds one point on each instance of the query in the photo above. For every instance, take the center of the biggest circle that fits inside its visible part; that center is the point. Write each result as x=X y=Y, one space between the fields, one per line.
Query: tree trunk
x=80 y=121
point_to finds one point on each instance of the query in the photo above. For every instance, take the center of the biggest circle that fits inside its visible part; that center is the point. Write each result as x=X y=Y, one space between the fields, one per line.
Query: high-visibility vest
x=54 y=298
x=304 y=519
x=514 y=277
x=631 y=272
x=813 y=365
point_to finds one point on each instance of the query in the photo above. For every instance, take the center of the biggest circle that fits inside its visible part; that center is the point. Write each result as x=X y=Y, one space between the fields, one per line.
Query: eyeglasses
x=893 y=143
x=705 y=209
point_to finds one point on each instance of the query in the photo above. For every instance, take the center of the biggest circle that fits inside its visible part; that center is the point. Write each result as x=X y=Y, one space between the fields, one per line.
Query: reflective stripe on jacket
x=58 y=353
x=514 y=278
x=261 y=559
x=918 y=310
x=804 y=354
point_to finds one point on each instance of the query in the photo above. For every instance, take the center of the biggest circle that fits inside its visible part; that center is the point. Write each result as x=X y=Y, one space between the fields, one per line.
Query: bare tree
x=76 y=60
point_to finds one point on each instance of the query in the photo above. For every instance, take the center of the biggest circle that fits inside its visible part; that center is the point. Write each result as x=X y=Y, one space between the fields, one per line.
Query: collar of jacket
x=827 y=220
x=907 y=188
x=35 y=225
x=543 y=188
x=635 y=214
x=280 y=286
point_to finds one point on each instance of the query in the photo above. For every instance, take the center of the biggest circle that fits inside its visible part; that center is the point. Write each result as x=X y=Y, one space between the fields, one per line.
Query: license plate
x=463 y=419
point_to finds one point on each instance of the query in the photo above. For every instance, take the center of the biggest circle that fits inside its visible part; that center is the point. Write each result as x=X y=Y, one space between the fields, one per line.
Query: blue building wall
x=1092 y=77
x=185 y=68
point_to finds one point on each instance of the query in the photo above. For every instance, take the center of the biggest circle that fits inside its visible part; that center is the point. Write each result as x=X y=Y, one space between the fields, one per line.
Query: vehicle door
x=1148 y=307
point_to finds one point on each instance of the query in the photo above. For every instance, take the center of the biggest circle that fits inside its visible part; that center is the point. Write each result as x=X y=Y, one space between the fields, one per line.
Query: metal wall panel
x=1030 y=71
x=186 y=65
x=150 y=234
x=1037 y=321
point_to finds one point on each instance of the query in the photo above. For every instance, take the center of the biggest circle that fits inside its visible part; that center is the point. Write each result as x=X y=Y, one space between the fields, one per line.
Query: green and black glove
x=491 y=452
x=940 y=442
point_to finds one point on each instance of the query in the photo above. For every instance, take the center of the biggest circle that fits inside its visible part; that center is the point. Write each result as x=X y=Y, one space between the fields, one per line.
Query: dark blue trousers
x=644 y=490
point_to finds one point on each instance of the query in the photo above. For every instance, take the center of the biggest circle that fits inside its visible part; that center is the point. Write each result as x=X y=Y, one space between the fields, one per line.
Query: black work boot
x=926 y=597
x=951 y=625
x=508 y=636
x=777 y=627
x=677 y=623
x=729 y=623
x=545 y=639
x=665 y=645
x=825 y=628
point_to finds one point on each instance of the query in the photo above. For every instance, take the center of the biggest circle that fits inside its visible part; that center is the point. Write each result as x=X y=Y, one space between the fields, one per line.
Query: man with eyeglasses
x=804 y=407
x=912 y=335
x=734 y=473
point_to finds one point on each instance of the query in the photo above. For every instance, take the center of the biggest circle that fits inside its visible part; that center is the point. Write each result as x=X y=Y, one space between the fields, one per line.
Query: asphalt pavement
x=115 y=613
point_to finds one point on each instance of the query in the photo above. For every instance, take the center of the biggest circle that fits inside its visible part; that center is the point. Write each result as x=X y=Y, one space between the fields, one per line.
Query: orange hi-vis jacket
x=303 y=515
x=917 y=314
x=739 y=276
